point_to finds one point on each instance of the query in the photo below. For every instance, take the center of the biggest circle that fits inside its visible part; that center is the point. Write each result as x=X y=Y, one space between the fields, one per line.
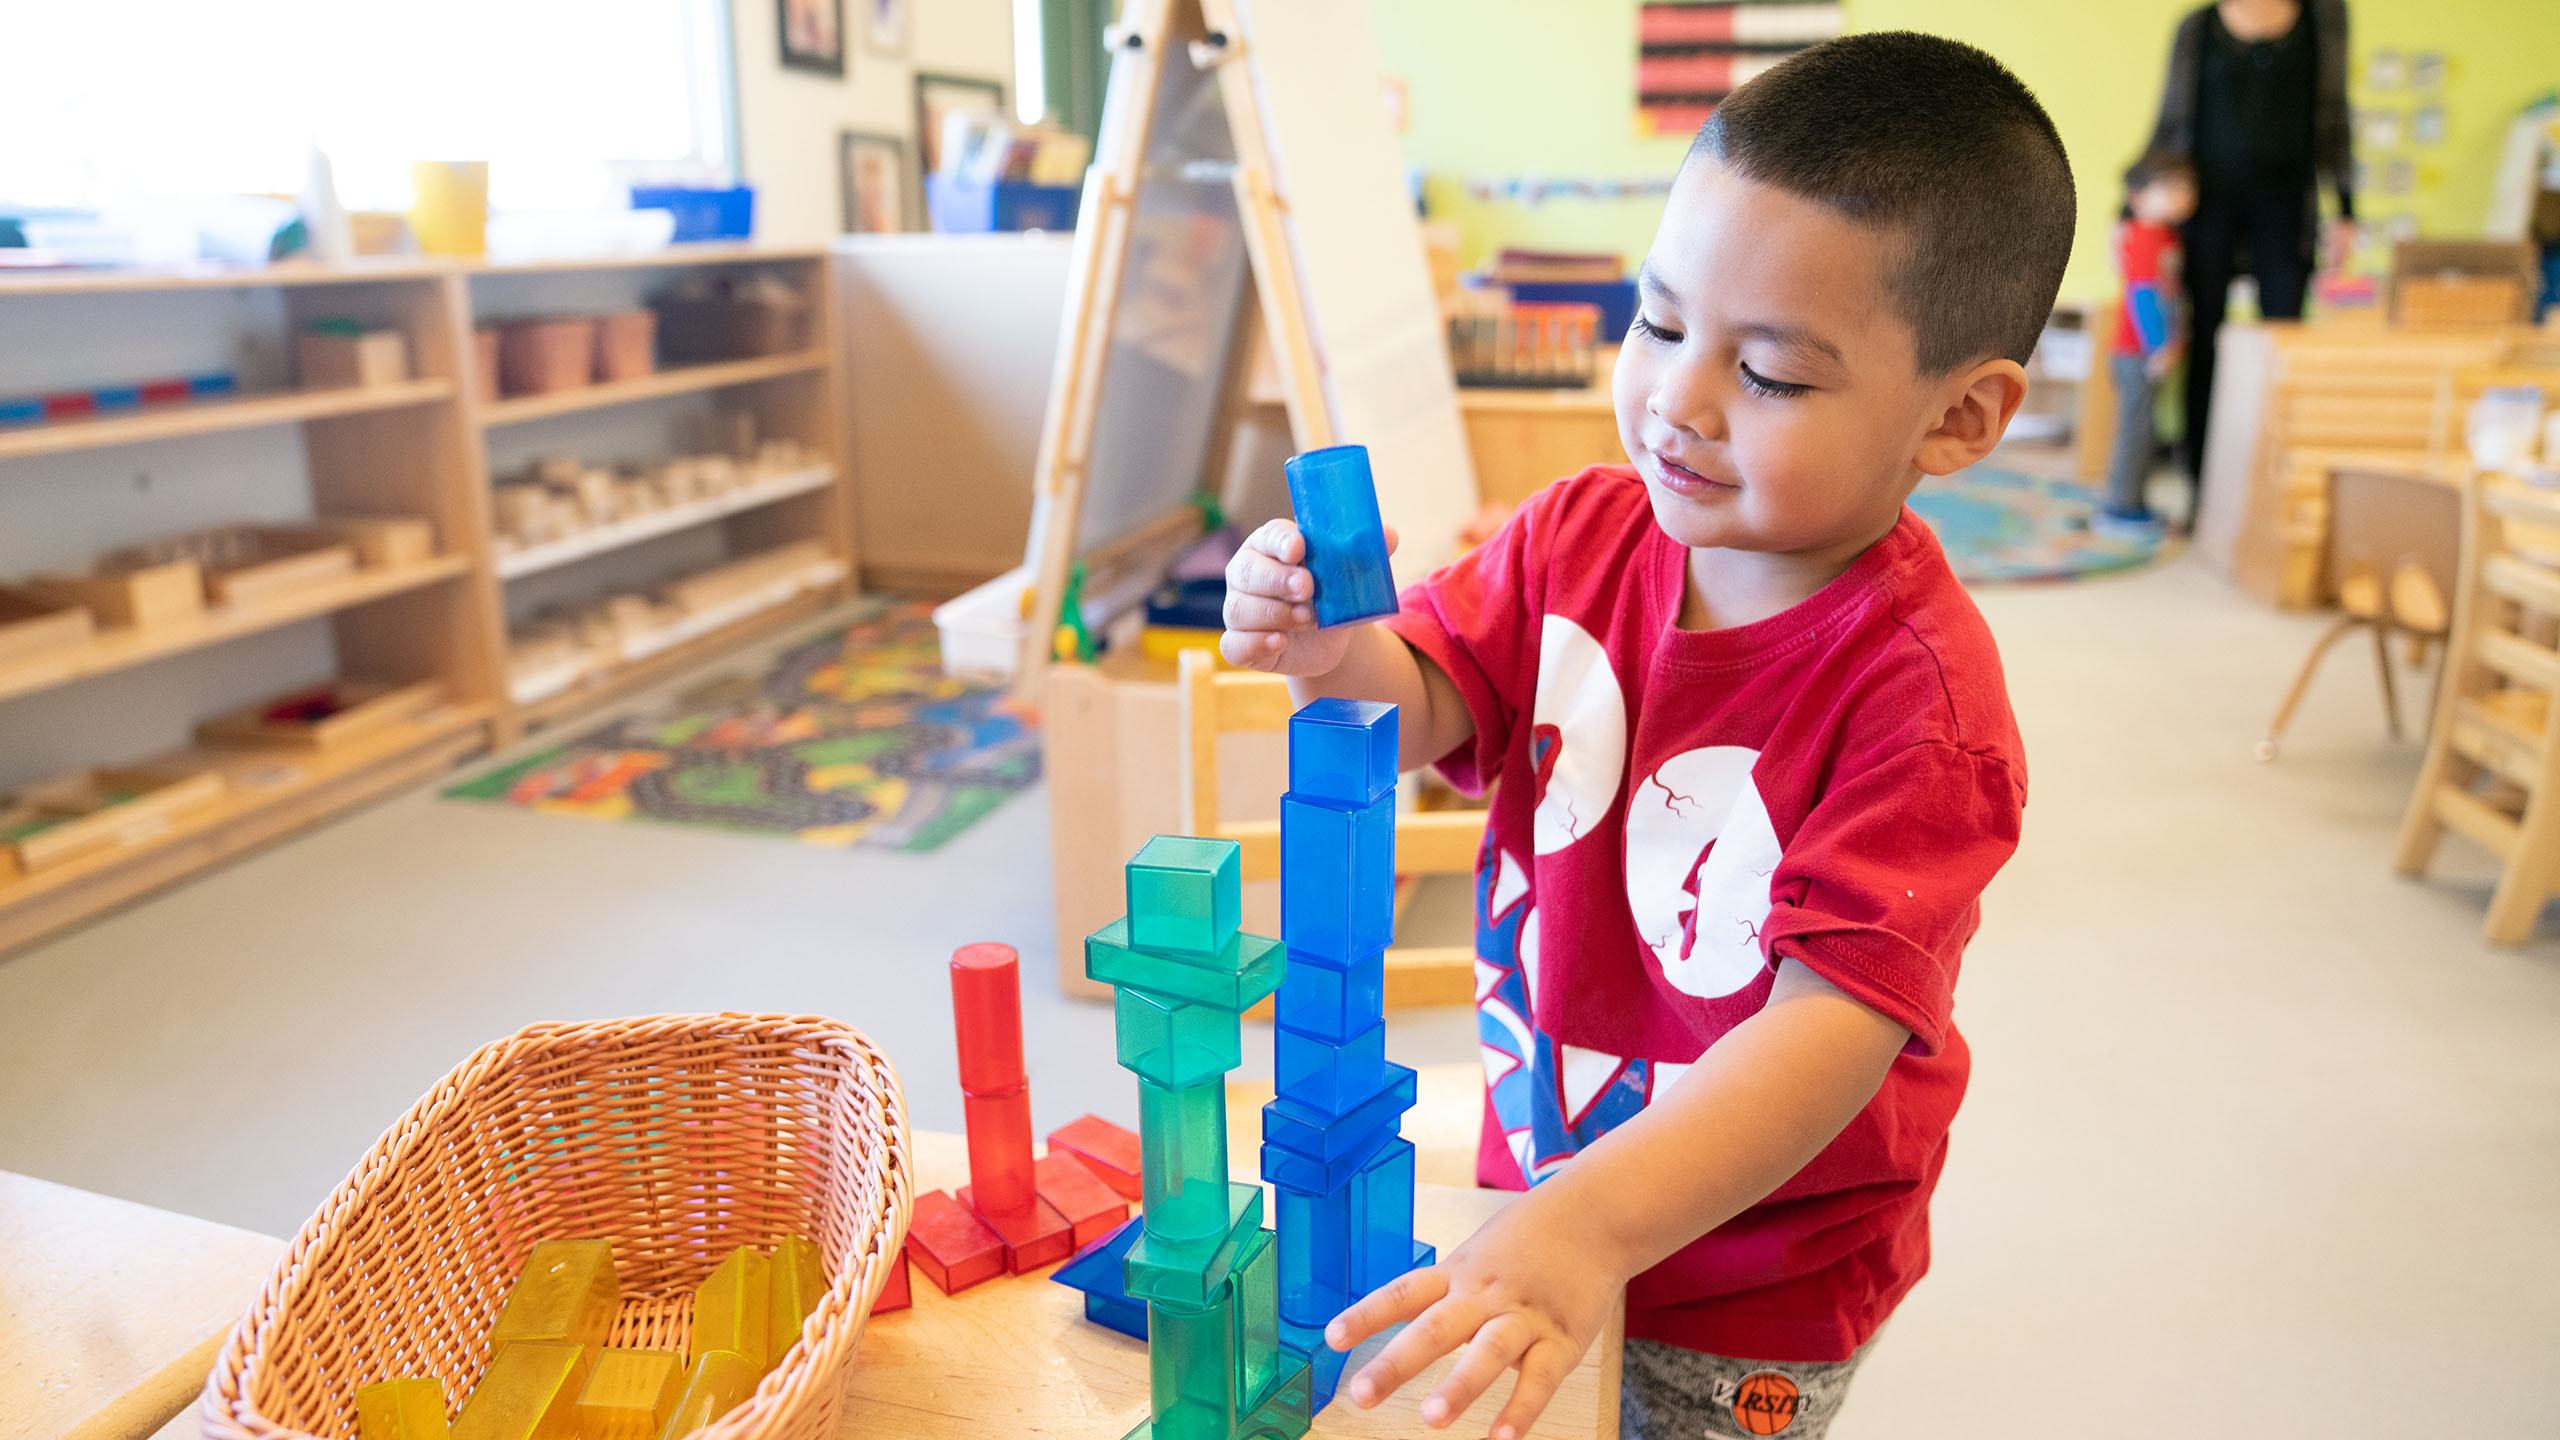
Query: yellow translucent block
x=732 y=1310
x=629 y=1394
x=405 y=1409
x=720 y=1382
x=529 y=1392
x=566 y=1292
x=799 y=1282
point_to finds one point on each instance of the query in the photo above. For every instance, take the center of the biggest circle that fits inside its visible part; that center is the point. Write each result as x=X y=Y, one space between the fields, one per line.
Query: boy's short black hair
x=1936 y=142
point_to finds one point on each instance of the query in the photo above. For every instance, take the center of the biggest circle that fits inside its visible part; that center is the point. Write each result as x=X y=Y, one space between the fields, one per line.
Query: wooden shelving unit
x=420 y=447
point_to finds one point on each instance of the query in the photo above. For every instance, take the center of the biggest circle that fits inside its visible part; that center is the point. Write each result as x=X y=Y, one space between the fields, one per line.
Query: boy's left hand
x=1525 y=1292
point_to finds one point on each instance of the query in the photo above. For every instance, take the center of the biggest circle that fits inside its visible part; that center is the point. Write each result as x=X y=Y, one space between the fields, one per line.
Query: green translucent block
x=1184 y=895
x=1237 y=978
x=799 y=1283
x=1190 y=1272
x=1257 y=1290
x=733 y=1308
x=529 y=1392
x=566 y=1292
x=1285 y=1413
x=1182 y=1159
x=1191 y=1364
x=405 y=1409
x=1176 y=1043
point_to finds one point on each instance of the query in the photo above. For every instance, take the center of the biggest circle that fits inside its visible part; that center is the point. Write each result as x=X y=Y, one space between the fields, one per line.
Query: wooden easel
x=1216 y=38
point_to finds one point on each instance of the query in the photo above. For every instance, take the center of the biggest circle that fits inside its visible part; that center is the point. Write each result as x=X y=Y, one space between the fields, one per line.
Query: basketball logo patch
x=1765 y=1403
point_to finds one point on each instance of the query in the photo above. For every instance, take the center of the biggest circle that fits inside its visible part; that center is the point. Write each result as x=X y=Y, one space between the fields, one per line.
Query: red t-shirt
x=1681 y=809
x=2146 y=254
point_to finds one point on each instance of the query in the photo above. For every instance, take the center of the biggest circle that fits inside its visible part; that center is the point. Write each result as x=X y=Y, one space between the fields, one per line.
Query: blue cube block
x=1289 y=1170
x=1381 y=1218
x=1337 y=877
x=1323 y=1135
x=1316 y=1242
x=1342 y=750
x=1327 y=1075
x=1184 y=895
x=1330 y=1003
x=1308 y=1340
x=1173 y=1042
x=1337 y=510
x=1246 y=969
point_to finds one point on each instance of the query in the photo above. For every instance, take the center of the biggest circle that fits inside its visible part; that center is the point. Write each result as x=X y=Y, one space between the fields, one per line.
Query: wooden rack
x=420 y=447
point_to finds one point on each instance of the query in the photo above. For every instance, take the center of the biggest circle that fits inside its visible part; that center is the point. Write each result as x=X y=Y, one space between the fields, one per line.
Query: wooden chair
x=1217 y=702
x=2493 y=765
x=2395 y=535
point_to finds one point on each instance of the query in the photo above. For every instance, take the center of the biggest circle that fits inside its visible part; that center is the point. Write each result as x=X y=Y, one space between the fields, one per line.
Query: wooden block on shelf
x=331 y=361
x=250 y=564
x=383 y=541
x=319 y=716
x=31 y=623
x=71 y=815
x=138 y=592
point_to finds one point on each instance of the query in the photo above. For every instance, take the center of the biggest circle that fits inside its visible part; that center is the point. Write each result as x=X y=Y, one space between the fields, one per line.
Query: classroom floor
x=2261 y=1140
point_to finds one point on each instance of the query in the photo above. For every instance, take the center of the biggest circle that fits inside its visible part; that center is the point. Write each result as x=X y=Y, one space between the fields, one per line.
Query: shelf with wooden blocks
x=115 y=649
x=639 y=674
x=271 y=793
x=681 y=380
x=534 y=558
x=208 y=416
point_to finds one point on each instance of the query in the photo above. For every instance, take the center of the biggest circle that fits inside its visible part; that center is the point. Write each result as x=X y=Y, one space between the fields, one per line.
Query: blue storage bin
x=702 y=214
x=1616 y=299
x=963 y=209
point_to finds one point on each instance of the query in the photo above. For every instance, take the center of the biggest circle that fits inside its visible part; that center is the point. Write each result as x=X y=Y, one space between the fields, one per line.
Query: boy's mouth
x=1685 y=480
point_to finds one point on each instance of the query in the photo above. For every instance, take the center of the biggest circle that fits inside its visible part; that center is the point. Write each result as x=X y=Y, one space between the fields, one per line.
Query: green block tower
x=1207 y=1270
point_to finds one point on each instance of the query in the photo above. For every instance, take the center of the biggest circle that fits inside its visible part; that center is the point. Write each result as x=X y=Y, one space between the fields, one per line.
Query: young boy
x=1755 y=753
x=2150 y=330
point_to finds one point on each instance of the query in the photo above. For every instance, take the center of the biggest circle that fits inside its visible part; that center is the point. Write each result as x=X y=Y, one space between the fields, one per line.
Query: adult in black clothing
x=2256 y=100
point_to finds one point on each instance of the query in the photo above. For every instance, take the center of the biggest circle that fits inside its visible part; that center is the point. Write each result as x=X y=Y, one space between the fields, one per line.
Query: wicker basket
x=677 y=1137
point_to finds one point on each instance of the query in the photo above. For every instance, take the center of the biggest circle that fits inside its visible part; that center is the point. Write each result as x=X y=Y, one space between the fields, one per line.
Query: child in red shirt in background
x=1756 y=758
x=2151 y=330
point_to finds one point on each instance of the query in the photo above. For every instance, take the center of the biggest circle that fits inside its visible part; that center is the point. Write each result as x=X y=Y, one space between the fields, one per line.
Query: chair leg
x=2302 y=682
x=2390 y=689
x=2516 y=904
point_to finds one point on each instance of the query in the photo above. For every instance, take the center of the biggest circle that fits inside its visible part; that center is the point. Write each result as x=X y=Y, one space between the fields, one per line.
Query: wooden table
x=1014 y=1356
x=110 y=1312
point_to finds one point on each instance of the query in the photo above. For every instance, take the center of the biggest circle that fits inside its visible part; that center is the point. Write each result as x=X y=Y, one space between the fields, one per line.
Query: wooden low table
x=1014 y=1356
x=110 y=1312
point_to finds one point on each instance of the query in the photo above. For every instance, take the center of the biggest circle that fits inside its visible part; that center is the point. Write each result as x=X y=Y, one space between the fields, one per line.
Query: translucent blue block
x=1174 y=1042
x=1182 y=1159
x=1244 y=970
x=1184 y=895
x=1318 y=999
x=1327 y=1135
x=1337 y=877
x=1191 y=1272
x=1126 y=1316
x=1315 y=1254
x=1323 y=1361
x=1096 y=1271
x=1321 y=1074
x=1343 y=751
x=1381 y=1212
x=118 y=397
x=1337 y=510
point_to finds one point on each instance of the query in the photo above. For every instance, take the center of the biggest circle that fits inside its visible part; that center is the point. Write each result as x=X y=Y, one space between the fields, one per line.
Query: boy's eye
x=1651 y=331
x=1759 y=384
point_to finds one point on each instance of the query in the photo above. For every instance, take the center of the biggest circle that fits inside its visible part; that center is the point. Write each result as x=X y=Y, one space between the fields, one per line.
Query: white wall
x=789 y=120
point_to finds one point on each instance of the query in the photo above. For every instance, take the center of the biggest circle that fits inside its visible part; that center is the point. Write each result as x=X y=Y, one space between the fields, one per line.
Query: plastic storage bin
x=982 y=630
x=702 y=214
x=964 y=209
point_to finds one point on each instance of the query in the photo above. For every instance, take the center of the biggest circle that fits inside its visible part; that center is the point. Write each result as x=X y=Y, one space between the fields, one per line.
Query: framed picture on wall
x=941 y=95
x=884 y=26
x=812 y=35
x=876 y=184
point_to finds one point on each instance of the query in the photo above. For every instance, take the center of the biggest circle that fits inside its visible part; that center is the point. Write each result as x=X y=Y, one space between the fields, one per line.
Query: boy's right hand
x=1271 y=617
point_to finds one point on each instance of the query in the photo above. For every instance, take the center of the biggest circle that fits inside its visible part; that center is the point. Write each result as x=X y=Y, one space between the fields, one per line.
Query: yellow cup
x=451 y=214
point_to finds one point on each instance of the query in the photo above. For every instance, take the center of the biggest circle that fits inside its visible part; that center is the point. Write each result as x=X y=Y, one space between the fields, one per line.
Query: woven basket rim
x=828 y=1337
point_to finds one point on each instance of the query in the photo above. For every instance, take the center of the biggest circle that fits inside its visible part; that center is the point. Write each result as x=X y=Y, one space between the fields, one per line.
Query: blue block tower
x=1331 y=1143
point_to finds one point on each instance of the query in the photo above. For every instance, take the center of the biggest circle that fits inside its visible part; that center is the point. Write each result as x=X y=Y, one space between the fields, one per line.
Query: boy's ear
x=1979 y=404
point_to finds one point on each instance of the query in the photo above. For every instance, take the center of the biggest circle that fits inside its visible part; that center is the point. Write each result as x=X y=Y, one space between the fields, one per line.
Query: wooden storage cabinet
x=399 y=496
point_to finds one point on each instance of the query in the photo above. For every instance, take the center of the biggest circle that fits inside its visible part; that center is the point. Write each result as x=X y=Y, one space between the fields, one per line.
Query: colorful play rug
x=2002 y=527
x=855 y=737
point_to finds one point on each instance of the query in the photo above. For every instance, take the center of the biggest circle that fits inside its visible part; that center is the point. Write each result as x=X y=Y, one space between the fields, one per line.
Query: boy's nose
x=1681 y=400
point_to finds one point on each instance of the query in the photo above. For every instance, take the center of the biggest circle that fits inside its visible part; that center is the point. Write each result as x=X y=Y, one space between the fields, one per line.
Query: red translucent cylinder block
x=986 y=1010
x=1000 y=1169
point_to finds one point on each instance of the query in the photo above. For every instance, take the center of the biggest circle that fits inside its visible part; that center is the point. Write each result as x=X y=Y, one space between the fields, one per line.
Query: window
x=103 y=104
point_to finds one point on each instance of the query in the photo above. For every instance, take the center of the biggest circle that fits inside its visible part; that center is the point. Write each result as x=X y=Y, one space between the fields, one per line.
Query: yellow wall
x=1511 y=87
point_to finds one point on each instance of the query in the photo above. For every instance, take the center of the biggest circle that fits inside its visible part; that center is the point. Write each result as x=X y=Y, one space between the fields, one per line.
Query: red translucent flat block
x=1034 y=1235
x=1108 y=1150
x=1074 y=1191
x=1000 y=1148
x=895 y=1295
x=986 y=1010
x=951 y=1245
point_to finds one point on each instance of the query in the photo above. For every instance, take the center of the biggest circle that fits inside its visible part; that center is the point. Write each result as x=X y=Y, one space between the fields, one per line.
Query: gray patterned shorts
x=1675 y=1394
